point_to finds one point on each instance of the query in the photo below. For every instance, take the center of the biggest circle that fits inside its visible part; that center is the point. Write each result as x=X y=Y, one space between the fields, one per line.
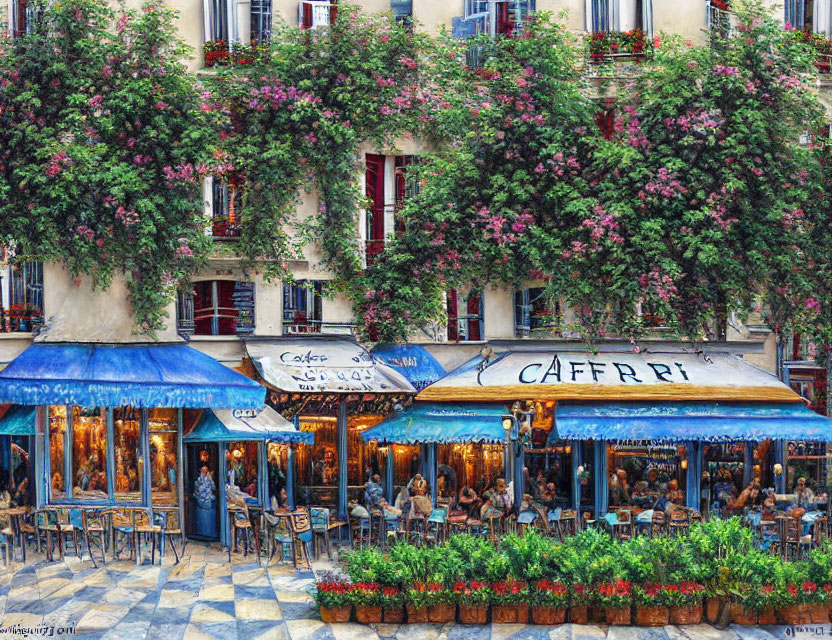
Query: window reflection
x=163 y=458
x=57 y=431
x=241 y=460
x=89 y=453
x=126 y=427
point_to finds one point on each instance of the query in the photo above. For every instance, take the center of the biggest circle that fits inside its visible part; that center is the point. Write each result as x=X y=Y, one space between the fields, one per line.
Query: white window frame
x=321 y=13
x=616 y=10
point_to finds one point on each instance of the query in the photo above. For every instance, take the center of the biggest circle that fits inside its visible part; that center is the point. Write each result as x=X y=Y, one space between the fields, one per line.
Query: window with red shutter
x=375 y=208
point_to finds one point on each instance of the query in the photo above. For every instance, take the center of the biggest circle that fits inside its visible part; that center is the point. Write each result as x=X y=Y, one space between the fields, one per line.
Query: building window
x=465 y=315
x=799 y=14
x=374 y=181
x=24 y=15
x=163 y=457
x=261 y=20
x=403 y=12
x=316 y=13
x=302 y=312
x=534 y=312
x=226 y=204
x=21 y=296
x=407 y=185
x=217 y=308
x=89 y=453
x=126 y=430
x=495 y=17
x=614 y=16
x=216 y=21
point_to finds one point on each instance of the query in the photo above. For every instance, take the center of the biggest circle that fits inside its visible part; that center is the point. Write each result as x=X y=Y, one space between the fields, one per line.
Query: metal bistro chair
x=121 y=526
x=239 y=521
x=94 y=525
x=658 y=523
x=48 y=522
x=625 y=524
x=172 y=529
x=437 y=526
x=7 y=536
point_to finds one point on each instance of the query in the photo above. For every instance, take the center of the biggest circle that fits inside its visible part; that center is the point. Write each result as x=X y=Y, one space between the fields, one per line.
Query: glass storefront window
x=89 y=453
x=126 y=428
x=646 y=475
x=241 y=466
x=278 y=464
x=57 y=435
x=163 y=458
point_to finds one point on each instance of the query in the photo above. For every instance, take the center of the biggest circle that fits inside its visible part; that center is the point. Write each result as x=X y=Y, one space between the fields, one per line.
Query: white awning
x=576 y=375
x=323 y=365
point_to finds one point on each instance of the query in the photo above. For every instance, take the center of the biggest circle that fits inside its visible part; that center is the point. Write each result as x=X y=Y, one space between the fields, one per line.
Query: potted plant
x=616 y=599
x=797 y=601
x=510 y=601
x=473 y=599
x=366 y=598
x=549 y=602
x=763 y=600
x=333 y=598
x=416 y=602
x=651 y=601
x=441 y=603
x=392 y=605
x=685 y=603
x=579 y=598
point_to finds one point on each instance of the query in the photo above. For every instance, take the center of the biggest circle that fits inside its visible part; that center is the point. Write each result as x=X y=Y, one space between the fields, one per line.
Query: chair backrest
x=300 y=522
x=140 y=517
x=172 y=521
x=93 y=518
x=46 y=517
x=76 y=518
x=611 y=518
x=121 y=518
x=625 y=515
x=820 y=529
x=319 y=517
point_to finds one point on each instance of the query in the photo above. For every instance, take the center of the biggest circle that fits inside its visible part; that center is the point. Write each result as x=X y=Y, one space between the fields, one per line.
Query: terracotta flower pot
x=597 y=615
x=652 y=616
x=522 y=613
x=742 y=616
x=819 y=613
x=686 y=615
x=618 y=617
x=394 y=616
x=766 y=616
x=415 y=615
x=501 y=613
x=473 y=614
x=579 y=614
x=368 y=615
x=337 y=614
x=713 y=607
x=442 y=613
x=548 y=615
x=795 y=614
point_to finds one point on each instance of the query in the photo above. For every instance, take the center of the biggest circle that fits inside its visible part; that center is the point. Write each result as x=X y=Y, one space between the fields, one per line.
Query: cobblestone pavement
x=204 y=597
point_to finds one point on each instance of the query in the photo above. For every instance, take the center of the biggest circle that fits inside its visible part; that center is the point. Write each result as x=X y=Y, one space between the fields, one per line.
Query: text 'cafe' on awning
x=102 y=424
x=335 y=389
x=658 y=421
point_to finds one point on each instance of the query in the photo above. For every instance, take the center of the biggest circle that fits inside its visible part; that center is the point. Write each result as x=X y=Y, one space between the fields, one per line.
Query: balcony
x=720 y=21
x=218 y=53
x=605 y=46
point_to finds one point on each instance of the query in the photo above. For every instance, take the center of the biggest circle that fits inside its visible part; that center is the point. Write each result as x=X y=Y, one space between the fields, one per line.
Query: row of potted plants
x=602 y=44
x=218 y=53
x=715 y=573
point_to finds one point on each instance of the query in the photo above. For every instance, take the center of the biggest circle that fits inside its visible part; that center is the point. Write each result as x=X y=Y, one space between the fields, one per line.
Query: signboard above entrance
x=574 y=375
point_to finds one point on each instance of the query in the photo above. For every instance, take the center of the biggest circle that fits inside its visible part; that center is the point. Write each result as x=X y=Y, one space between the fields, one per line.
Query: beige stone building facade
x=226 y=304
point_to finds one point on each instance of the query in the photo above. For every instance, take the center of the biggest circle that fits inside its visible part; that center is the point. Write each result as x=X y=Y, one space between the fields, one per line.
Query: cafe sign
x=323 y=366
x=578 y=375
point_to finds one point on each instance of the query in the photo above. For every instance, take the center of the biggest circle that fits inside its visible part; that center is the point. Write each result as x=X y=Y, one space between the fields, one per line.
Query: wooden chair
x=71 y=523
x=94 y=523
x=658 y=523
x=121 y=526
x=171 y=528
x=302 y=533
x=48 y=523
x=278 y=535
x=28 y=529
x=240 y=522
x=820 y=531
x=625 y=524
x=568 y=523
x=789 y=535
x=145 y=526
x=322 y=527
x=7 y=536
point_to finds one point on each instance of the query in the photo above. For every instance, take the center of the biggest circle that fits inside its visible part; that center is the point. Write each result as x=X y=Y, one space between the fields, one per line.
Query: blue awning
x=135 y=375
x=677 y=422
x=441 y=424
x=18 y=421
x=224 y=425
x=412 y=361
